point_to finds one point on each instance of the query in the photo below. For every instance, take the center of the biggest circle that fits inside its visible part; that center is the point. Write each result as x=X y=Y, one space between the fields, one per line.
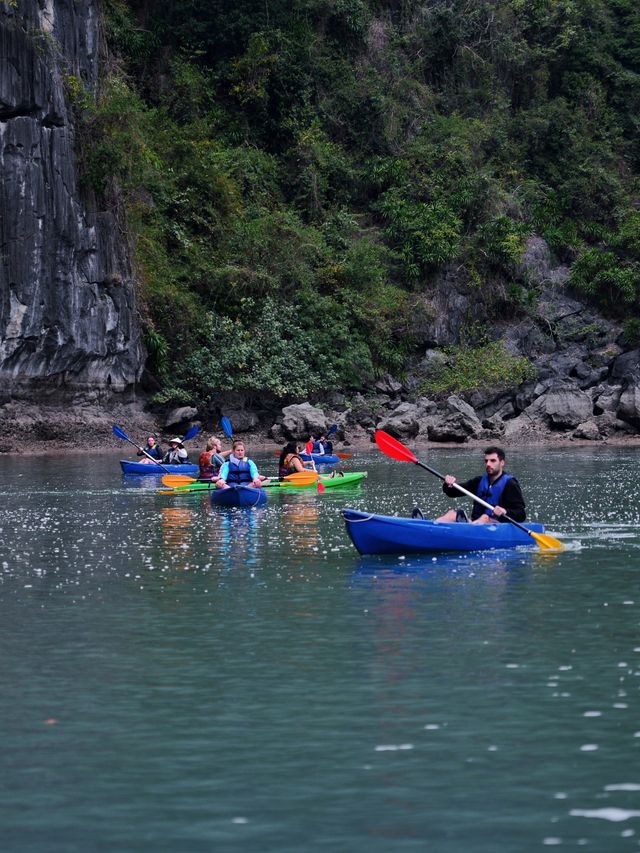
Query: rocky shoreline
x=31 y=429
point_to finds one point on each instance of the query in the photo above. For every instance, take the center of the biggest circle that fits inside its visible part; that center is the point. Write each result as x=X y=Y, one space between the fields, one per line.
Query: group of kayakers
x=175 y=455
x=321 y=446
x=496 y=486
x=222 y=467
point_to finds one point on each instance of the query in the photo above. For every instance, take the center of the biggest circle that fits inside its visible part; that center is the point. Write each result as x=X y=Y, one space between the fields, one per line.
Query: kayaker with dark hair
x=496 y=486
x=212 y=459
x=319 y=446
x=152 y=449
x=238 y=470
x=290 y=461
x=176 y=455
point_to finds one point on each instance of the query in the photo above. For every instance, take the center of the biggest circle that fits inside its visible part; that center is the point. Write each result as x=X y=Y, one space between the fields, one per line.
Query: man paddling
x=496 y=486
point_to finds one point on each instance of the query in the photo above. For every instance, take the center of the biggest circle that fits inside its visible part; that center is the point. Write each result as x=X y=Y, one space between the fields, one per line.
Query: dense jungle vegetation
x=298 y=174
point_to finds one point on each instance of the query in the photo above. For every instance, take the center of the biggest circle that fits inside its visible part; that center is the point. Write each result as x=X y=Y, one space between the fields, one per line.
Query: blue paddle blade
x=191 y=433
x=120 y=433
x=333 y=428
x=227 y=429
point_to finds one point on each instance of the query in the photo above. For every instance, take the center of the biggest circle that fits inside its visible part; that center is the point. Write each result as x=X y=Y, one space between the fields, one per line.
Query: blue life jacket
x=239 y=473
x=490 y=493
x=318 y=447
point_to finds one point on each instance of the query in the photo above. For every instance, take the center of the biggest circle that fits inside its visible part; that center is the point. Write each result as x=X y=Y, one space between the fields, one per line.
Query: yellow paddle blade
x=173 y=480
x=302 y=478
x=547 y=542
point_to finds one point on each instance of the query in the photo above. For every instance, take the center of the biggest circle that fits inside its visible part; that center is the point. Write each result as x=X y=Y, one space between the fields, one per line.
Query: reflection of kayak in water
x=384 y=534
x=150 y=469
x=329 y=481
x=245 y=496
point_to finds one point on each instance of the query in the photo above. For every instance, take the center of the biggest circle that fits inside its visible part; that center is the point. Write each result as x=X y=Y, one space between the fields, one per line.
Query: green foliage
x=309 y=165
x=488 y=366
x=426 y=236
x=158 y=350
x=268 y=348
x=611 y=281
x=503 y=241
x=632 y=332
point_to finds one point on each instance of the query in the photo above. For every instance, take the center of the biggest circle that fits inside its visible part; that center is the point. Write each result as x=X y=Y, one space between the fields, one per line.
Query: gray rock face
x=242 y=420
x=302 y=420
x=403 y=422
x=562 y=408
x=67 y=301
x=388 y=385
x=178 y=417
x=629 y=405
x=456 y=421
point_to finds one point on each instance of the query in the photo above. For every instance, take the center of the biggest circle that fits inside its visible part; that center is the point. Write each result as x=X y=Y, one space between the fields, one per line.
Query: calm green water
x=178 y=677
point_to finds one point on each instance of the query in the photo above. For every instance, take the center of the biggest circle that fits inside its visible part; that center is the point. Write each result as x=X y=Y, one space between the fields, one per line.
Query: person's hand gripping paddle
x=391 y=447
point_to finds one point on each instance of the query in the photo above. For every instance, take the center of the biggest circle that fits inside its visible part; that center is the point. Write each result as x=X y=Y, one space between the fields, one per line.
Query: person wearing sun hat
x=176 y=454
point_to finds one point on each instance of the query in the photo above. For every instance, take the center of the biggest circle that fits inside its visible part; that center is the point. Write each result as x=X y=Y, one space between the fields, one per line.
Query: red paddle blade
x=390 y=446
x=320 y=487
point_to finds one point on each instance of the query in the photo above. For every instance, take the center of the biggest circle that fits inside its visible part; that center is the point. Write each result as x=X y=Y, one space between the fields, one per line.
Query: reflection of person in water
x=300 y=521
x=177 y=535
x=234 y=540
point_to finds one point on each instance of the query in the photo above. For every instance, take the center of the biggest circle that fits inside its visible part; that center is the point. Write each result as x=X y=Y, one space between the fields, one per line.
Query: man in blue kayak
x=319 y=448
x=496 y=487
x=238 y=470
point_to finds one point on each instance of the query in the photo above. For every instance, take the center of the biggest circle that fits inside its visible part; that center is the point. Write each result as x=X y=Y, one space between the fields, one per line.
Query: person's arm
x=469 y=485
x=222 y=477
x=513 y=501
x=253 y=470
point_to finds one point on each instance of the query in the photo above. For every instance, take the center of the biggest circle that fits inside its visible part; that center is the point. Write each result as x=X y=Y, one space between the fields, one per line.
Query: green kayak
x=329 y=481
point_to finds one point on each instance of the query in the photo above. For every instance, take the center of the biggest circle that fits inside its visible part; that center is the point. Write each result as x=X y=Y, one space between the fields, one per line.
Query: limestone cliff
x=68 y=323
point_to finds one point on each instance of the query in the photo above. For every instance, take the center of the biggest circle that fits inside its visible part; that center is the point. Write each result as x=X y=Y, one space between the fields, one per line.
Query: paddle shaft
x=472 y=496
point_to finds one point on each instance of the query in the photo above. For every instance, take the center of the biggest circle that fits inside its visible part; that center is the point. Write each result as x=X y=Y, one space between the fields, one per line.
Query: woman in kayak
x=152 y=449
x=176 y=455
x=290 y=461
x=212 y=459
x=238 y=470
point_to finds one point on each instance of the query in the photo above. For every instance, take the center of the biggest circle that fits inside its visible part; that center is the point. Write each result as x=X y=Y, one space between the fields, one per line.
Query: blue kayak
x=246 y=496
x=385 y=534
x=151 y=469
x=320 y=458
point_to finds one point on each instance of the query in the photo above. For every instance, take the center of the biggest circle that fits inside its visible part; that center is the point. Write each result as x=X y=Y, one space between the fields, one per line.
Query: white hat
x=176 y=441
